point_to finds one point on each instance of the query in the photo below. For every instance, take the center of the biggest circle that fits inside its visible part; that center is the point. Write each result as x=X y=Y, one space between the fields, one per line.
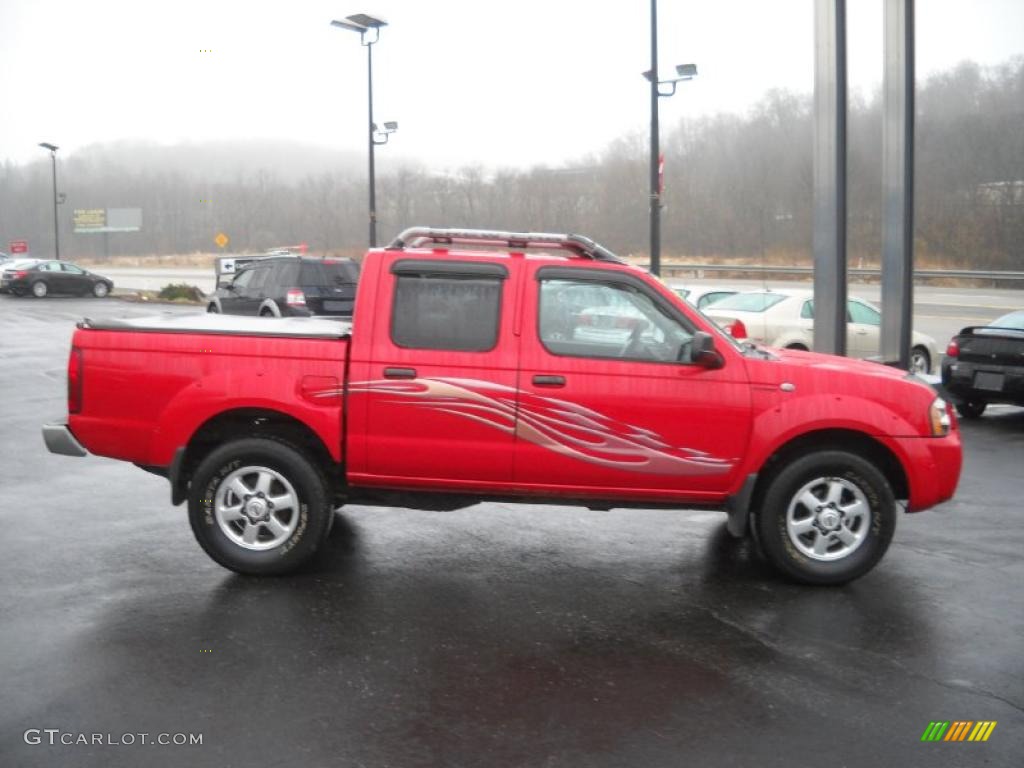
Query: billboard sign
x=18 y=246
x=95 y=220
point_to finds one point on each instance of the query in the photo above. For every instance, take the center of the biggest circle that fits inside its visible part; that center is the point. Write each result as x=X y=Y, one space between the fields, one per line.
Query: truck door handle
x=399 y=373
x=549 y=381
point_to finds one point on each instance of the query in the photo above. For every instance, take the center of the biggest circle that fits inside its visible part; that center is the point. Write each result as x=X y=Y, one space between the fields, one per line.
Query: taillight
x=295 y=298
x=737 y=329
x=75 y=380
x=20 y=274
x=953 y=350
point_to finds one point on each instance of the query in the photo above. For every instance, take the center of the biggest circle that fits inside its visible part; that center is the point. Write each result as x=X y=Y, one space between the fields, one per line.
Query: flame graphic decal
x=556 y=425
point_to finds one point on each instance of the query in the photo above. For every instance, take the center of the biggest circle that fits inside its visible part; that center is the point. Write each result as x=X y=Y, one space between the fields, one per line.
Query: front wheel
x=259 y=506
x=100 y=290
x=827 y=518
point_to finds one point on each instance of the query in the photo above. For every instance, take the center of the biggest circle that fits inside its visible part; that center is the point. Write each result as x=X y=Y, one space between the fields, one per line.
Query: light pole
x=56 y=232
x=683 y=72
x=363 y=24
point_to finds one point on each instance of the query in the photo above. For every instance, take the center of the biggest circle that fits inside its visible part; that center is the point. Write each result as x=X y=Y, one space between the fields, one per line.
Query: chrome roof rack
x=584 y=247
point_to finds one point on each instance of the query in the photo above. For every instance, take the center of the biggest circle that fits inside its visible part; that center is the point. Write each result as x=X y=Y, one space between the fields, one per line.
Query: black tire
x=211 y=490
x=212 y=309
x=265 y=312
x=971 y=409
x=919 y=357
x=799 y=347
x=40 y=289
x=872 y=527
x=100 y=290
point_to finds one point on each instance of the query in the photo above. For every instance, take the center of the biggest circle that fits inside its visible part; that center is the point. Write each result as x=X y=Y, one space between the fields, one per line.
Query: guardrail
x=676 y=270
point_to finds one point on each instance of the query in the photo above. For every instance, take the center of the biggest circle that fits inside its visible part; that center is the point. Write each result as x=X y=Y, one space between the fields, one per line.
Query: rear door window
x=447 y=310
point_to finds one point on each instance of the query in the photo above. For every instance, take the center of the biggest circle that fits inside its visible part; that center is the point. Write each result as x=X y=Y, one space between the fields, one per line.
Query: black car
x=985 y=364
x=289 y=286
x=41 y=278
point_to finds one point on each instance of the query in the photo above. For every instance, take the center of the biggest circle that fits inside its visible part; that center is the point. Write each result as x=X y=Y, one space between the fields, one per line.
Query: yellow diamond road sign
x=221 y=239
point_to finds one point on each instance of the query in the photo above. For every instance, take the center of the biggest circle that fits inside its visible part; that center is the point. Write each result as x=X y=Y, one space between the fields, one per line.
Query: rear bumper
x=59 y=439
x=933 y=468
x=958 y=379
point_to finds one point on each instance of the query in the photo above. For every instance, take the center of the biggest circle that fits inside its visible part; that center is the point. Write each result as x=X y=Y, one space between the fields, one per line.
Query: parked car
x=704 y=296
x=41 y=278
x=289 y=286
x=985 y=364
x=450 y=386
x=785 y=319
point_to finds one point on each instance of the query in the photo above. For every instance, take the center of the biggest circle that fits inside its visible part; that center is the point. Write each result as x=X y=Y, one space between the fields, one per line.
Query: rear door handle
x=549 y=381
x=399 y=373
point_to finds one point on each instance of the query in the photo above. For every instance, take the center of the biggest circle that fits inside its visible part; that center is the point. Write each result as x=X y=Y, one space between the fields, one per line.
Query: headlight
x=938 y=418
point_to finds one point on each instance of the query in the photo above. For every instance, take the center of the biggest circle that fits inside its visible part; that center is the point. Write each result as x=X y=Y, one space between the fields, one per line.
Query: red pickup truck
x=528 y=367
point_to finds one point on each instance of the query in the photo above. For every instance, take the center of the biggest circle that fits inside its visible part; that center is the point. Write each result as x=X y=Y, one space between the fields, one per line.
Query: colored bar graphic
x=959 y=730
x=982 y=730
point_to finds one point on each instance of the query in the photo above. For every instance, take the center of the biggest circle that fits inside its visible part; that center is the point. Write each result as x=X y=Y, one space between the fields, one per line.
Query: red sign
x=19 y=246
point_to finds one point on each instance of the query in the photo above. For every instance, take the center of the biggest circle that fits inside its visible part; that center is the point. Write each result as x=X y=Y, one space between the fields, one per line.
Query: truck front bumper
x=58 y=439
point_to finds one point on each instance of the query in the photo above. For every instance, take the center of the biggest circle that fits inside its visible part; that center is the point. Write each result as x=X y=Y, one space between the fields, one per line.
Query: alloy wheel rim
x=828 y=519
x=256 y=508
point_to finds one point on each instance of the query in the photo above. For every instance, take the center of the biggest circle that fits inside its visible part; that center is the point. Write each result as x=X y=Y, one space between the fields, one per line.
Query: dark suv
x=289 y=286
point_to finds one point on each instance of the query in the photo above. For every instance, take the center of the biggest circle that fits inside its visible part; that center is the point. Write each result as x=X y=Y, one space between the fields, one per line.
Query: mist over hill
x=215 y=161
x=736 y=185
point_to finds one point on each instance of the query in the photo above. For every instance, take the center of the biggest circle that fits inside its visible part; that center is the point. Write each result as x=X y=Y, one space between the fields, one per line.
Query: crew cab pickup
x=528 y=367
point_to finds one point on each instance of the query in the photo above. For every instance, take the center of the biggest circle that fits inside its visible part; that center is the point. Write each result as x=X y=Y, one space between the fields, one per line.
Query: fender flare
x=271 y=305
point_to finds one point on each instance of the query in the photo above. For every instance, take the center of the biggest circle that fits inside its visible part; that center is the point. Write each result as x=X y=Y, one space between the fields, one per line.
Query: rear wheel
x=259 y=506
x=920 y=360
x=267 y=312
x=212 y=309
x=827 y=518
x=799 y=347
x=971 y=409
x=39 y=289
x=99 y=290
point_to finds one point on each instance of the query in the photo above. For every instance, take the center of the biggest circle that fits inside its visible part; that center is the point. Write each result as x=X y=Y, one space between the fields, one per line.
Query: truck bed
x=291 y=327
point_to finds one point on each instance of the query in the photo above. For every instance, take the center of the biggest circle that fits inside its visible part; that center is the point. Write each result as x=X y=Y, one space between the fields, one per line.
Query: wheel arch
x=852 y=441
x=249 y=422
x=272 y=306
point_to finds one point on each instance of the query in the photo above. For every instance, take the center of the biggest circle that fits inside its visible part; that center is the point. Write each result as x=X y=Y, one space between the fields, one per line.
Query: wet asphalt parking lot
x=500 y=635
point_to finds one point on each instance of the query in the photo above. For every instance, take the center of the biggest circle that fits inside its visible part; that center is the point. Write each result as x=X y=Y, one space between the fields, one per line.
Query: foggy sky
x=496 y=83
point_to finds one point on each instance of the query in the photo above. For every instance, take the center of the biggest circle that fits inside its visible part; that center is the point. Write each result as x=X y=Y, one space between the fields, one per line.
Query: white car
x=703 y=296
x=785 y=319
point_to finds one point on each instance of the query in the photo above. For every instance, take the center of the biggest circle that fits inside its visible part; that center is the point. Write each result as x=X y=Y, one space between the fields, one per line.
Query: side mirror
x=703 y=352
x=227 y=285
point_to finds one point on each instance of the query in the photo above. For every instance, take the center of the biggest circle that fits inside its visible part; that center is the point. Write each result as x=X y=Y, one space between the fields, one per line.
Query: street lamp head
x=366 y=21
x=349 y=26
x=686 y=70
x=648 y=75
x=391 y=126
x=51 y=147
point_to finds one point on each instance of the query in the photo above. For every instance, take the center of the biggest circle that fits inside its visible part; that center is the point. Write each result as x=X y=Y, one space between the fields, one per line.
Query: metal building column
x=830 y=176
x=898 y=184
